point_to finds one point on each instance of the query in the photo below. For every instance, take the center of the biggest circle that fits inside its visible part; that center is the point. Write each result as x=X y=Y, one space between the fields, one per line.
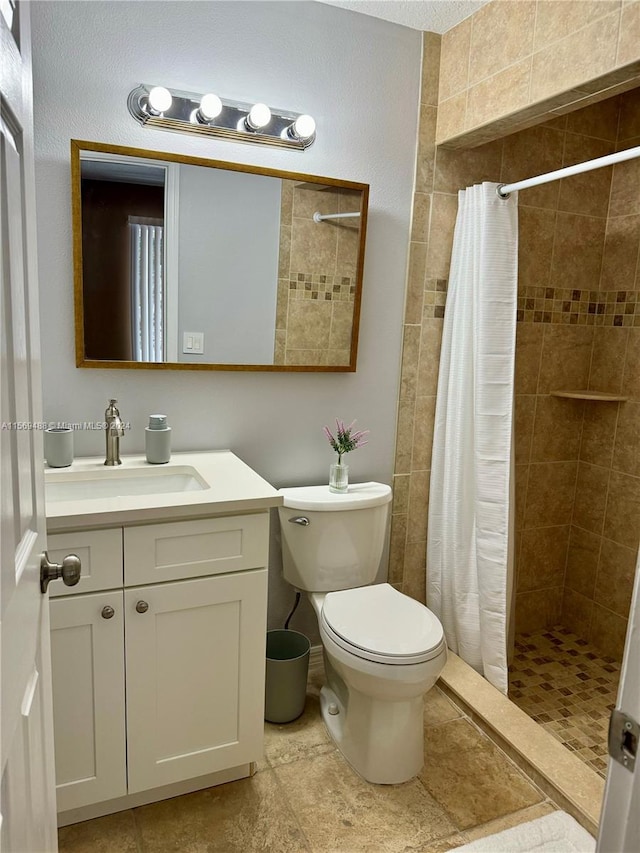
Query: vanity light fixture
x=210 y=115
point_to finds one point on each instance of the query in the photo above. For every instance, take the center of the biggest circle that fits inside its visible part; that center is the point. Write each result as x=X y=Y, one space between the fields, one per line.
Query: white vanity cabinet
x=158 y=657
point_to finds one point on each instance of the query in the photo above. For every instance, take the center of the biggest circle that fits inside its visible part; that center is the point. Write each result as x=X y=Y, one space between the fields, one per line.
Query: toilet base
x=382 y=741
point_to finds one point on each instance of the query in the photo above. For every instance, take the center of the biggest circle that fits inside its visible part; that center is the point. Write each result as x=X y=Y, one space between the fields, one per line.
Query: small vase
x=338 y=477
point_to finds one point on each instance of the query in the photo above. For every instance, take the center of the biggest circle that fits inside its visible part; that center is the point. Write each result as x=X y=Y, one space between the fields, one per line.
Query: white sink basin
x=120 y=483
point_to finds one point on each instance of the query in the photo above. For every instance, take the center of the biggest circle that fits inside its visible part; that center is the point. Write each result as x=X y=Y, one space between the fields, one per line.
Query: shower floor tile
x=569 y=688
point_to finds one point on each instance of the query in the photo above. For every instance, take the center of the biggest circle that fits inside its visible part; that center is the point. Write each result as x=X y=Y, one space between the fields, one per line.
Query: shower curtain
x=469 y=559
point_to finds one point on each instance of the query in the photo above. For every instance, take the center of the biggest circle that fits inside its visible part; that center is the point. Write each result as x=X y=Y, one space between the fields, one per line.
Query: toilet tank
x=341 y=545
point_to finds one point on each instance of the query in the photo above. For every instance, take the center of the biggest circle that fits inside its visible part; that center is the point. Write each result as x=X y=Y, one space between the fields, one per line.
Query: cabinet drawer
x=188 y=549
x=100 y=553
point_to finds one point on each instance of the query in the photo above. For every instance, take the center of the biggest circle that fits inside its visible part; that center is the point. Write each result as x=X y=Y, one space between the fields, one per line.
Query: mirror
x=187 y=263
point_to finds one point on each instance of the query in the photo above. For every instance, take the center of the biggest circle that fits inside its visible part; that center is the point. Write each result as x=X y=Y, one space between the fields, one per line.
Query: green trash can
x=287 y=670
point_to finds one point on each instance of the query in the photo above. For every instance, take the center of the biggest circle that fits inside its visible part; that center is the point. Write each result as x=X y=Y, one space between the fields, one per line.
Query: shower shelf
x=596 y=396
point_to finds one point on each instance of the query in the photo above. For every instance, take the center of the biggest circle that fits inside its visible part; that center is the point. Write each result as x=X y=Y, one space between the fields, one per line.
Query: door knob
x=69 y=570
x=107 y=612
x=142 y=607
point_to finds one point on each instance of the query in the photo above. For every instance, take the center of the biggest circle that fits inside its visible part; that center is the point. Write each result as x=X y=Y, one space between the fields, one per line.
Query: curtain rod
x=319 y=217
x=600 y=162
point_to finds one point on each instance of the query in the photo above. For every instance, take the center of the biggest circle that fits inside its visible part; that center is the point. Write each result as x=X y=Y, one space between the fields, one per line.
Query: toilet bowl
x=382 y=652
x=382 y=649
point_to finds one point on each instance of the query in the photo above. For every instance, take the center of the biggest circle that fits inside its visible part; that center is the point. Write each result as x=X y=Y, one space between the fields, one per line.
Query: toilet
x=382 y=649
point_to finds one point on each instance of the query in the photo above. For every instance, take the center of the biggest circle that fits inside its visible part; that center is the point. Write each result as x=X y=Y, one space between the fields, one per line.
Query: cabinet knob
x=107 y=612
x=142 y=607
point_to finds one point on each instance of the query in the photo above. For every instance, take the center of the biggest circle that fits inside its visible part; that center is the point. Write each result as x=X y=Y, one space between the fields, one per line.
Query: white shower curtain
x=147 y=289
x=469 y=546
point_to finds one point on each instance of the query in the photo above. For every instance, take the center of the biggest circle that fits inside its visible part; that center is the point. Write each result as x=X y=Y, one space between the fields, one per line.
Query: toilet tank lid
x=358 y=496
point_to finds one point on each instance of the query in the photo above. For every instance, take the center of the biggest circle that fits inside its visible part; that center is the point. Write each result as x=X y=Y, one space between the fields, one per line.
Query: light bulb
x=303 y=127
x=210 y=107
x=259 y=116
x=159 y=100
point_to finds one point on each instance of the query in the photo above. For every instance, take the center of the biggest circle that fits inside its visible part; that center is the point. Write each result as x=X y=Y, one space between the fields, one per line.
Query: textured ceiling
x=436 y=16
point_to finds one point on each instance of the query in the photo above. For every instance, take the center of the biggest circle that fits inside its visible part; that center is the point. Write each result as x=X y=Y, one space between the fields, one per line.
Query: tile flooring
x=566 y=685
x=305 y=797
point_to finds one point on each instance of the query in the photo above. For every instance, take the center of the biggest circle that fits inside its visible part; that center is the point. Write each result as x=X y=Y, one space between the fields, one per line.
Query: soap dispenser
x=157 y=439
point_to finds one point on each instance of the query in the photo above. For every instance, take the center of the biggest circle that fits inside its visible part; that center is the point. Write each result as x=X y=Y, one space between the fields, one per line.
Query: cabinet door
x=100 y=553
x=195 y=662
x=87 y=655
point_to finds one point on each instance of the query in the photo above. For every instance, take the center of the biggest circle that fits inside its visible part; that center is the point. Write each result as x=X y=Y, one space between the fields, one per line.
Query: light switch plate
x=193 y=343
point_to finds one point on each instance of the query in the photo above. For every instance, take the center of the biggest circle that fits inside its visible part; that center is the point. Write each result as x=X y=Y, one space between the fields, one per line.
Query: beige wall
x=317 y=275
x=514 y=62
x=567 y=338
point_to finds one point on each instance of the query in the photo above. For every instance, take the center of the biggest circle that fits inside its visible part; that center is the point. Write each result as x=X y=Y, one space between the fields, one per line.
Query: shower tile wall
x=564 y=236
x=605 y=529
x=317 y=277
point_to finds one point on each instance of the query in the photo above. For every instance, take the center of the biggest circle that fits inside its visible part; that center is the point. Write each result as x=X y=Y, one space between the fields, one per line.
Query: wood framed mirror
x=185 y=263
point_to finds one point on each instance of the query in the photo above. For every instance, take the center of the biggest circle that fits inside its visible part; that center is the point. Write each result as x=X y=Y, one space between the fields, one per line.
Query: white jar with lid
x=157 y=439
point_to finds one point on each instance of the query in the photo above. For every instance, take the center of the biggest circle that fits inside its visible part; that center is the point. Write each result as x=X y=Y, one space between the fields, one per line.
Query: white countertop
x=232 y=487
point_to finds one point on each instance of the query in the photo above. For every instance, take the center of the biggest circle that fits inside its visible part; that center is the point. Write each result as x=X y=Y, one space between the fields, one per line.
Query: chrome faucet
x=114 y=431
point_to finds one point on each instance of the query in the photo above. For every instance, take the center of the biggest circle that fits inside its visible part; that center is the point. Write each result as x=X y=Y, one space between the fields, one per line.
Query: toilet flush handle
x=300 y=519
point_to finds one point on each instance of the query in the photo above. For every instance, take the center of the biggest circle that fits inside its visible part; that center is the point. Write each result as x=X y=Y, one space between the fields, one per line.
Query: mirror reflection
x=188 y=263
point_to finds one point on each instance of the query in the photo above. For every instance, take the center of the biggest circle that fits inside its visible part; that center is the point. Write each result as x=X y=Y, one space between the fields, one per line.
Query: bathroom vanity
x=158 y=652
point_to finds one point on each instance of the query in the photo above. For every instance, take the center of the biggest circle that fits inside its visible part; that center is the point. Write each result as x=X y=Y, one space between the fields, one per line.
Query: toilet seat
x=380 y=624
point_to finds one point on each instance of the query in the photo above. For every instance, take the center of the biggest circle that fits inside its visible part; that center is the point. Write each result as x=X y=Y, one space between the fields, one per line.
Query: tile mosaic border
x=329 y=288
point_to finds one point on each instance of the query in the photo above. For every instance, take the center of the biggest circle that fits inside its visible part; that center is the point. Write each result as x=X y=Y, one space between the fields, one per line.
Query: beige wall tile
x=418 y=506
x=501 y=34
x=313 y=247
x=415 y=283
x=284 y=252
x=452 y=115
x=534 y=151
x=443 y=218
x=306 y=356
x=577 y=611
x=522 y=483
x=550 y=494
x=608 y=632
x=420 y=220
x=622 y=519
x=631 y=376
x=556 y=433
x=621 y=251
x=616 y=573
x=591 y=497
x=582 y=561
x=456 y=170
x=348 y=248
x=538 y=609
x=428 y=365
x=338 y=356
x=529 y=338
x=415 y=571
x=588 y=193
x=401 y=493
x=566 y=354
x=598 y=433
x=423 y=433
x=307 y=200
x=397 y=546
x=426 y=149
x=341 y=325
x=556 y=19
x=598 y=120
x=431 y=48
x=577 y=251
x=410 y=352
x=404 y=436
x=536 y=235
x=309 y=324
x=543 y=557
x=583 y=55
x=629 y=126
x=626 y=451
x=523 y=427
x=454 y=60
x=629 y=40
x=503 y=93
x=608 y=358
x=625 y=189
